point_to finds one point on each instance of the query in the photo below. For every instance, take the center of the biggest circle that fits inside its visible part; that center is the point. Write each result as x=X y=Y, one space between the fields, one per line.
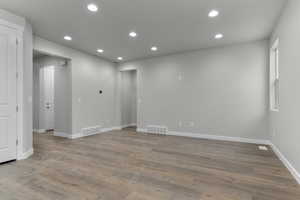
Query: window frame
x=274 y=76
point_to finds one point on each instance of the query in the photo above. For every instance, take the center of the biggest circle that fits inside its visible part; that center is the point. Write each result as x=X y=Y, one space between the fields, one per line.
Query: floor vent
x=160 y=130
x=91 y=130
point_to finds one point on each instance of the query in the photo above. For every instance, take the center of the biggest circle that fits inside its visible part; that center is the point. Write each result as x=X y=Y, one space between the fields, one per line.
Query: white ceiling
x=171 y=25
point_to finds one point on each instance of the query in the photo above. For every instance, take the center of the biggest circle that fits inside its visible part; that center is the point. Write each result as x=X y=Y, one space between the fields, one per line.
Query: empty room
x=149 y=100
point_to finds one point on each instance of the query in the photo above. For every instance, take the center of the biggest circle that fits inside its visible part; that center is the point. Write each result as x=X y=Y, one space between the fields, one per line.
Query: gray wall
x=62 y=93
x=89 y=74
x=36 y=94
x=218 y=91
x=62 y=97
x=128 y=98
x=27 y=88
x=285 y=126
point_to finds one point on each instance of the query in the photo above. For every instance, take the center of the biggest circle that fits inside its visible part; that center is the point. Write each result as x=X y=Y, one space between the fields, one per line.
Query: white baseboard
x=26 y=154
x=287 y=164
x=77 y=135
x=39 y=130
x=141 y=130
x=61 y=134
x=115 y=128
x=104 y=130
x=218 y=137
x=212 y=137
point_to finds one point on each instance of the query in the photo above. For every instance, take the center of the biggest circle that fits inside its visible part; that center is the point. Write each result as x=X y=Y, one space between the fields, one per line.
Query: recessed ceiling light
x=120 y=58
x=100 y=50
x=92 y=7
x=133 y=34
x=154 y=48
x=69 y=38
x=213 y=13
x=219 y=36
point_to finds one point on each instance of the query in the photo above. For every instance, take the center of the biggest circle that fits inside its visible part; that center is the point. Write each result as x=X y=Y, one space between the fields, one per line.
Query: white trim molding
x=80 y=135
x=286 y=162
x=141 y=130
x=104 y=130
x=39 y=130
x=212 y=137
x=62 y=134
x=26 y=154
x=219 y=137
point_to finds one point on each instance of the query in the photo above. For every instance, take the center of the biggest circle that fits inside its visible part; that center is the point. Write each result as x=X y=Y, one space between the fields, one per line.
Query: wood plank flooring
x=125 y=165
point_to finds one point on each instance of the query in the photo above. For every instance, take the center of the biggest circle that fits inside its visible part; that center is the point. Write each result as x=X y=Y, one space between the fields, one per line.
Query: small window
x=274 y=76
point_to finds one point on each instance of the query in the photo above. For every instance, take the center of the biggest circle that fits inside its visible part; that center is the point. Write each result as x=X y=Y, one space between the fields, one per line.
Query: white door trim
x=20 y=84
x=19 y=32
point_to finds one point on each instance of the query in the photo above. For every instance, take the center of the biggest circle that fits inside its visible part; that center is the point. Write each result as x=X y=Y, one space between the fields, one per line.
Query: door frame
x=119 y=89
x=19 y=29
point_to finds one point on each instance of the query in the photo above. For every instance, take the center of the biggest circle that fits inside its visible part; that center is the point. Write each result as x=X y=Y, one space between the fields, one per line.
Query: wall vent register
x=160 y=130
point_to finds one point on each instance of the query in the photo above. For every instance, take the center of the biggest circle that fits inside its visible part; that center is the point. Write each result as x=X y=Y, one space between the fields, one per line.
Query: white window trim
x=274 y=76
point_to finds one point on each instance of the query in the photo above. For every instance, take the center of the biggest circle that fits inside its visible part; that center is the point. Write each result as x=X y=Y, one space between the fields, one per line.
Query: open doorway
x=51 y=94
x=129 y=99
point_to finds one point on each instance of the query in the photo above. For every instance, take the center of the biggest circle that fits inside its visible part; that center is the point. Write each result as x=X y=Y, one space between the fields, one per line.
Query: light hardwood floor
x=125 y=165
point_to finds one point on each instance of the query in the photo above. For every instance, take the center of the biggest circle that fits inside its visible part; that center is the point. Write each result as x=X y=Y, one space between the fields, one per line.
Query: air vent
x=160 y=130
x=91 y=130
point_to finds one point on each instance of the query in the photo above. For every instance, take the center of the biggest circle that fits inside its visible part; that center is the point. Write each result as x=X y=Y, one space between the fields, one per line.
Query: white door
x=8 y=94
x=47 y=97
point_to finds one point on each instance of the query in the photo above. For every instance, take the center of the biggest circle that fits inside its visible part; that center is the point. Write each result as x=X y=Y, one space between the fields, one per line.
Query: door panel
x=47 y=96
x=8 y=94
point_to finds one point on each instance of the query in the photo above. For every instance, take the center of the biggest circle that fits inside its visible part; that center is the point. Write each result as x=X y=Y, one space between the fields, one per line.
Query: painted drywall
x=217 y=91
x=89 y=75
x=285 y=126
x=27 y=88
x=62 y=93
x=36 y=94
x=128 y=98
x=62 y=96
